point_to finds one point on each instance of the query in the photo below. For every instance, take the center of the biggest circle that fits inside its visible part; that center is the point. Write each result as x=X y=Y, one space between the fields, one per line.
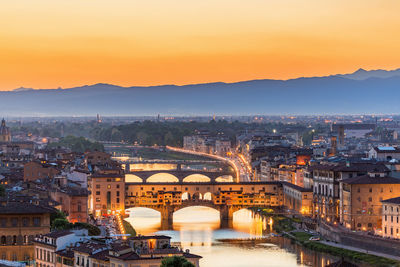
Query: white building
x=46 y=245
x=384 y=153
x=390 y=218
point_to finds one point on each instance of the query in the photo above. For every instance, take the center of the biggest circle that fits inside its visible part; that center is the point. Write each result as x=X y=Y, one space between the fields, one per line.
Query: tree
x=176 y=261
x=92 y=229
x=61 y=224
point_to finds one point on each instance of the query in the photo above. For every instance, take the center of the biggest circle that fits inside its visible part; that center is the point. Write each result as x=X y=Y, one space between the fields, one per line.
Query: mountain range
x=361 y=92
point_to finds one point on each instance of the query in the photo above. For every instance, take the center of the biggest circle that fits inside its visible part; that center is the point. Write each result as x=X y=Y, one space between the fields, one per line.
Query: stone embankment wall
x=358 y=240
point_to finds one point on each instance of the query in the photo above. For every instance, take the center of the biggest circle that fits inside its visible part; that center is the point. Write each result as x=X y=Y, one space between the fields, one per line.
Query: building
x=139 y=251
x=20 y=222
x=326 y=183
x=384 y=153
x=5 y=133
x=47 y=245
x=97 y=158
x=107 y=193
x=73 y=201
x=360 y=200
x=390 y=218
x=35 y=170
x=297 y=199
x=222 y=147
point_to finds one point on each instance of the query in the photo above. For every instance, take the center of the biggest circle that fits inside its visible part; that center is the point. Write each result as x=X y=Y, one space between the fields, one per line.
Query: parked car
x=315 y=238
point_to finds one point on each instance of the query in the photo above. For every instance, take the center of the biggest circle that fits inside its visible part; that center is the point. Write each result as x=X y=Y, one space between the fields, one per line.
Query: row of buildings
x=354 y=187
x=204 y=142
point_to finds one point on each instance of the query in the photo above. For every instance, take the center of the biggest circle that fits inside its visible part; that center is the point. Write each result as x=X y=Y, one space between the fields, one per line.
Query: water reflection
x=197 y=229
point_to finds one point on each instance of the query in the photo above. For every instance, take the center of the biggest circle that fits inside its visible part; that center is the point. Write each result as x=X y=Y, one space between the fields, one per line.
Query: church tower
x=5 y=134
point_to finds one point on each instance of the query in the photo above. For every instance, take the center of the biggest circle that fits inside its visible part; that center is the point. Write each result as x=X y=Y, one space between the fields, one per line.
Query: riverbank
x=287 y=226
x=350 y=255
x=282 y=223
x=128 y=228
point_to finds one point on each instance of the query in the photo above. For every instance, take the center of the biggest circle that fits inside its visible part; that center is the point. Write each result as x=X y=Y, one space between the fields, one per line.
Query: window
x=97 y=199
x=359 y=225
x=14 y=222
x=109 y=186
x=370 y=190
x=118 y=193
x=36 y=221
x=97 y=193
x=25 y=221
x=3 y=222
x=370 y=199
x=97 y=186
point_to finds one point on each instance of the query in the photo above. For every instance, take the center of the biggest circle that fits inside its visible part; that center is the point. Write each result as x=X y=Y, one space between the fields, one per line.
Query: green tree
x=61 y=224
x=176 y=261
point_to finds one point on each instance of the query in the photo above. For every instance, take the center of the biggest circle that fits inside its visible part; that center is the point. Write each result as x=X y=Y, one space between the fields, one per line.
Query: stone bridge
x=168 y=198
x=180 y=175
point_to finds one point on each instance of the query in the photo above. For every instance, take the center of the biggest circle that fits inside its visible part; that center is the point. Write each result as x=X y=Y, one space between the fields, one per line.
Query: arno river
x=198 y=229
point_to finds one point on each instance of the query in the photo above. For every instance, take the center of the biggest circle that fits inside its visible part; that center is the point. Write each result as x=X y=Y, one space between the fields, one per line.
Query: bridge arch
x=197 y=196
x=208 y=196
x=196 y=178
x=162 y=177
x=131 y=178
x=198 y=213
x=140 y=216
x=185 y=196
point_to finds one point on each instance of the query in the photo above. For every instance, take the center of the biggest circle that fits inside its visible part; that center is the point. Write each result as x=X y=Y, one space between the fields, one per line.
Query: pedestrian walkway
x=361 y=250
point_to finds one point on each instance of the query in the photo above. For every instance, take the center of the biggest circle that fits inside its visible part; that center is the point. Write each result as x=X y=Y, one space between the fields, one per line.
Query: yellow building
x=360 y=200
x=107 y=193
x=298 y=199
x=20 y=222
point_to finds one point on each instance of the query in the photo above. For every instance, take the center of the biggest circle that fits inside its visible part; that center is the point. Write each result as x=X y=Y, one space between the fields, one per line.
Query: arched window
x=3 y=240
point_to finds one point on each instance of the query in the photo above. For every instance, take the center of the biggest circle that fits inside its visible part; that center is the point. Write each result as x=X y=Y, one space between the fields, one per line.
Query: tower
x=5 y=134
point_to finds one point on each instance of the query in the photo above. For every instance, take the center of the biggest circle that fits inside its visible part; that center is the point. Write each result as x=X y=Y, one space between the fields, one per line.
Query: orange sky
x=47 y=43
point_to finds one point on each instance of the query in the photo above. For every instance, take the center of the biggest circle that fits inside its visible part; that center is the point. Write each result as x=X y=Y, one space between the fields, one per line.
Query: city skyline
x=72 y=43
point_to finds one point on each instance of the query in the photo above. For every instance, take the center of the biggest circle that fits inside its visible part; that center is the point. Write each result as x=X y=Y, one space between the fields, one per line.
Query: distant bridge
x=168 y=161
x=180 y=175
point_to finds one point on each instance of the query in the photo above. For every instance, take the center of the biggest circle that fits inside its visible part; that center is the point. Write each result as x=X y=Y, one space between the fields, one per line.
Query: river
x=198 y=229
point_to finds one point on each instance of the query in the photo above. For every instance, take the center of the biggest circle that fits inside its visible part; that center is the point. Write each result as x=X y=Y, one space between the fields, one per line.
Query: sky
x=67 y=43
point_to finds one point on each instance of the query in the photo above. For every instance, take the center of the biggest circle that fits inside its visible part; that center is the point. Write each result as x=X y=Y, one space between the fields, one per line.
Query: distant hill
x=362 y=92
x=362 y=74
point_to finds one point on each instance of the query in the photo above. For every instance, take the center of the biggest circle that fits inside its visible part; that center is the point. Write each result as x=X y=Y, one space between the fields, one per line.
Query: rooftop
x=395 y=200
x=367 y=179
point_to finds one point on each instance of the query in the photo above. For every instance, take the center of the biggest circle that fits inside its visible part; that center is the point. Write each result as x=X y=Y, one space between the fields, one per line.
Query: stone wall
x=360 y=240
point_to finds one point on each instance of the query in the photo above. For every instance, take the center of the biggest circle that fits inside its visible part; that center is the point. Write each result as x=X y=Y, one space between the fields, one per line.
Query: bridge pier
x=226 y=216
x=167 y=214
